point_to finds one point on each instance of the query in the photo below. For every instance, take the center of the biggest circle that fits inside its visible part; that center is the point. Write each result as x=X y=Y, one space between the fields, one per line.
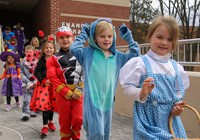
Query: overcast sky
x=155 y=3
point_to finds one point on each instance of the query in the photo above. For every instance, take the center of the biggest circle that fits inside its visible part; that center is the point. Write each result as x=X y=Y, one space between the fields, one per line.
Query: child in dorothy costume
x=157 y=84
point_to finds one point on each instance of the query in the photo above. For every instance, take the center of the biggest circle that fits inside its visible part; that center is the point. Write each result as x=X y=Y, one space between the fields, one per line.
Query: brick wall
x=75 y=13
x=48 y=15
x=41 y=17
x=55 y=15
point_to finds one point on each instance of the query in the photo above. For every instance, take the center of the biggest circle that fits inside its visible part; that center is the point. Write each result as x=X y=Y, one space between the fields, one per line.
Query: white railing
x=187 y=52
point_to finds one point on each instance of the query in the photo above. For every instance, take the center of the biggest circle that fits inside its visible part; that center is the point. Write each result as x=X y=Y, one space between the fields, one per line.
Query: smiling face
x=105 y=39
x=48 y=49
x=104 y=35
x=163 y=34
x=65 y=41
x=161 y=40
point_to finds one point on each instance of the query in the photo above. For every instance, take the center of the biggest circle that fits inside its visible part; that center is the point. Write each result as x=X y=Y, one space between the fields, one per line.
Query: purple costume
x=12 y=86
x=21 y=39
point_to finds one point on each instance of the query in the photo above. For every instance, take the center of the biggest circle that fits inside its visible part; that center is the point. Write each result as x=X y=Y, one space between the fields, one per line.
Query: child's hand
x=34 y=85
x=30 y=85
x=125 y=33
x=47 y=83
x=123 y=29
x=86 y=28
x=18 y=76
x=147 y=87
x=177 y=108
x=75 y=96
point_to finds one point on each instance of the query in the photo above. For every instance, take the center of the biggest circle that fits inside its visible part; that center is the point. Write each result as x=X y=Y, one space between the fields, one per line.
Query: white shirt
x=132 y=71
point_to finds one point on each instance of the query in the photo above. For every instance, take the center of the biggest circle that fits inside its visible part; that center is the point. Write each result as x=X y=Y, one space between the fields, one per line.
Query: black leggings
x=8 y=99
x=47 y=116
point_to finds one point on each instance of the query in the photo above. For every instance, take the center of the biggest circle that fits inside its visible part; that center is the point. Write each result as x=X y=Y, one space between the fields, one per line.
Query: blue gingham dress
x=151 y=118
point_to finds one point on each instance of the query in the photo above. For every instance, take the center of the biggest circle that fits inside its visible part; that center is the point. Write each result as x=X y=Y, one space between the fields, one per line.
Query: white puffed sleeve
x=130 y=75
x=184 y=77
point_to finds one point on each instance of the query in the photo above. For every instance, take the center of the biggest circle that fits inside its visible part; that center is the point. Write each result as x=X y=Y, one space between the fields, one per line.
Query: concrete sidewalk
x=13 y=128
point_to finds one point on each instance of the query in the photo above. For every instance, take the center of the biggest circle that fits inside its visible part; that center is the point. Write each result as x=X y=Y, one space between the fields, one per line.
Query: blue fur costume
x=100 y=78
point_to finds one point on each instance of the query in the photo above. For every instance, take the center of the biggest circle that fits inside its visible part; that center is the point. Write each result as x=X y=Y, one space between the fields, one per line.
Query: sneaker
x=8 y=107
x=51 y=126
x=25 y=116
x=18 y=104
x=44 y=132
x=32 y=114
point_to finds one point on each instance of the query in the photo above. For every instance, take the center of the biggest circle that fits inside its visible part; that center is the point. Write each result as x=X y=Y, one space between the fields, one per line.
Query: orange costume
x=65 y=74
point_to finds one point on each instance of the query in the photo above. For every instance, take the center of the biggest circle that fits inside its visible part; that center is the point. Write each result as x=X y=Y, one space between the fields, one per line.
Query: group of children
x=27 y=77
x=80 y=82
x=15 y=38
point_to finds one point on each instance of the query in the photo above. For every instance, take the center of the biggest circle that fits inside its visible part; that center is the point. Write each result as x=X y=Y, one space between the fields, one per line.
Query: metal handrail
x=184 y=53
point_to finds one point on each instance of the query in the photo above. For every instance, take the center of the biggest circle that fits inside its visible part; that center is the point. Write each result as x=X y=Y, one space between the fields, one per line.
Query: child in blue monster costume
x=101 y=64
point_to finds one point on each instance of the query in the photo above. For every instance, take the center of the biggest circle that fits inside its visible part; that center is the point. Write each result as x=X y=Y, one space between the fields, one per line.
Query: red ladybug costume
x=44 y=95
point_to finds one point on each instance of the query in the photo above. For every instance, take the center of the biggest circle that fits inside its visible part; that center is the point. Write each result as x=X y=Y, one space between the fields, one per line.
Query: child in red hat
x=12 y=44
x=65 y=74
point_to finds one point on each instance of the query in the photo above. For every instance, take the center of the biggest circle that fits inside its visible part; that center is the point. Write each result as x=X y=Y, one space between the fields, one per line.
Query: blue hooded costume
x=100 y=77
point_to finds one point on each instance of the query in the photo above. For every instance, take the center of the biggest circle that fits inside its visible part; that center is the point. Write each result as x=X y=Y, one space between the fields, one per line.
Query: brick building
x=47 y=15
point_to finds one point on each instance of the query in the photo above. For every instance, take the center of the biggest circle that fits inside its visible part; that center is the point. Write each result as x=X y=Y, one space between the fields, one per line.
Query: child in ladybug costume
x=27 y=66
